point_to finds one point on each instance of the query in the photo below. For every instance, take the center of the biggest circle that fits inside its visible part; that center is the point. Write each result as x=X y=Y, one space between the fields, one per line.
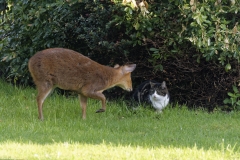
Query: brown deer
x=70 y=70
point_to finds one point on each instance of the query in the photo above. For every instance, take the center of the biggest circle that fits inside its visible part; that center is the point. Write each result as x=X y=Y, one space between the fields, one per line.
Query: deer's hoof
x=100 y=110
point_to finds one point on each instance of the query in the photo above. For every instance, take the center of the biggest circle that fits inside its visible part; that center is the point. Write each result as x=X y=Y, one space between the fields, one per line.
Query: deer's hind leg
x=44 y=89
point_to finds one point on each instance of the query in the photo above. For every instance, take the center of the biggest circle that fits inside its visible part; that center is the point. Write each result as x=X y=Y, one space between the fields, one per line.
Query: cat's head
x=160 y=88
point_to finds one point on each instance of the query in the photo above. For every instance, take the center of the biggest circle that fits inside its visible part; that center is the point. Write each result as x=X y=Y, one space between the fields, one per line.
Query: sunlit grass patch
x=68 y=150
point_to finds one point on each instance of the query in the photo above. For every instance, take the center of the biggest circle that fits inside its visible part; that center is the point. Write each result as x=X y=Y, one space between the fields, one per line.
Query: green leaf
x=136 y=26
x=238 y=95
x=149 y=28
x=174 y=51
x=235 y=89
x=158 y=67
x=238 y=103
x=228 y=67
x=226 y=101
x=233 y=101
x=154 y=49
x=231 y=94
x=1 y=46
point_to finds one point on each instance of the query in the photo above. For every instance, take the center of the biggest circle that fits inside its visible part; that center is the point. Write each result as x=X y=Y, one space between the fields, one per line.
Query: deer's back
x=67 y=69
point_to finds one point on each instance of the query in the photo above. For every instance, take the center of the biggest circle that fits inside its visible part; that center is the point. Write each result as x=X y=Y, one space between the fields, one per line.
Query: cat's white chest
x=159 y=102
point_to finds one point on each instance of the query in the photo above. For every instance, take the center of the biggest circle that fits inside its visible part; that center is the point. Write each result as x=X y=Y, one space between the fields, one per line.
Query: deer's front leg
x=83 y=103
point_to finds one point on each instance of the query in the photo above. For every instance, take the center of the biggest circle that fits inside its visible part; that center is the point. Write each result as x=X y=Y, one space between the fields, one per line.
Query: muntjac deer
x=70 y=70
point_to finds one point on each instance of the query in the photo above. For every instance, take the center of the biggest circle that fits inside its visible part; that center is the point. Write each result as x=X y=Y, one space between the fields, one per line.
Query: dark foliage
x=193 y=46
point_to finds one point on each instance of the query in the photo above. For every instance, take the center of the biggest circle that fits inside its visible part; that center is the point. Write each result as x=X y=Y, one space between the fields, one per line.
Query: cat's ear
x=152 y=84
x=163 y=85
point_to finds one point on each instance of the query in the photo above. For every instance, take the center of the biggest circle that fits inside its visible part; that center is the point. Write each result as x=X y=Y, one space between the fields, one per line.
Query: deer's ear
x=116 y=66
x=129 y=68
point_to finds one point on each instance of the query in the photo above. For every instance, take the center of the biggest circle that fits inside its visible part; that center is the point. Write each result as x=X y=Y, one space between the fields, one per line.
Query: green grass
x=119 y=133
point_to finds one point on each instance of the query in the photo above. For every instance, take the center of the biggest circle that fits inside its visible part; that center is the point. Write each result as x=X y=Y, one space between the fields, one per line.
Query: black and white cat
x=154 y=93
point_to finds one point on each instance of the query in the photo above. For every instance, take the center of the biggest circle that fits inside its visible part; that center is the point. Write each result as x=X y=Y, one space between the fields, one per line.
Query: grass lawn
x=119 y=133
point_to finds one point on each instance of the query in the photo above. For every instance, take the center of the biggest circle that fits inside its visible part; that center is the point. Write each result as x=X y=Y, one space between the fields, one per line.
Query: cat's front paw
x=159 y=111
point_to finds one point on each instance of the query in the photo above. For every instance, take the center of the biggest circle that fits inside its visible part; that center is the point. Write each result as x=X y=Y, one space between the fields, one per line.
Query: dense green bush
x=36 y=25
x=213 y=28
x=174 y=39
x=31 y=27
